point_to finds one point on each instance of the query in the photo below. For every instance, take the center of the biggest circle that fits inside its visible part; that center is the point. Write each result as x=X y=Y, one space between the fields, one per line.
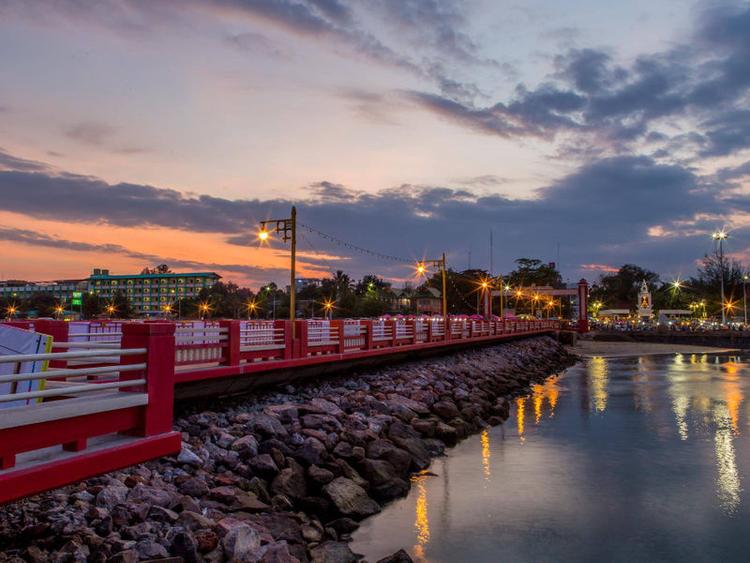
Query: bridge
x=101 y=395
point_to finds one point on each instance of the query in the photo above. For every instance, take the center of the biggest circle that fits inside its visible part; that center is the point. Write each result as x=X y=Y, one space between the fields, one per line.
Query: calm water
x=632 y=459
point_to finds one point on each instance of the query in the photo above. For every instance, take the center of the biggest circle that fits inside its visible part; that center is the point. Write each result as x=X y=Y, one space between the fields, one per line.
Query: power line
x=356 y=248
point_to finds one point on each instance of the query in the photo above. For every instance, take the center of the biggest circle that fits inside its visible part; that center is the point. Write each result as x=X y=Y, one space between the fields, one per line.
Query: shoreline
x=606 y=349
x=282 y=475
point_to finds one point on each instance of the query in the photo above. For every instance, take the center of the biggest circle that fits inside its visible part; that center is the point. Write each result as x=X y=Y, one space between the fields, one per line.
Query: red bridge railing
x=108 y=394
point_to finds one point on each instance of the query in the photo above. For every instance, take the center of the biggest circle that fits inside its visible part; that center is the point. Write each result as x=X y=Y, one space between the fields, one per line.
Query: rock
x=241 y=544
x=350 y=499
x=386 y=485
x=188 y=457
x=126 y=556
x=344 y=450
x=311 y=533
x=149 y=549
x=326 y=407
x=319 y=475
x=206 y=540
x=445 y=410
x=446 y=433
x=185 y=546
x=161 y=514
x=426 y=428
x=263 y=465
x=399 y=557
x=278 y=553
x=266 y=425
x=247 y=446
x=112 y=495
x=344 y=525
x=406 y=438
x=321 y=422
x=194 y=487
x=333 y=552
x=194 y=521
x=312 y=452
x=150 y=495
x=290 y=482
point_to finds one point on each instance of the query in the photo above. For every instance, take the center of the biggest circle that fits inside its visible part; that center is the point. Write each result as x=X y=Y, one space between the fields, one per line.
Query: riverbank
x=604 y=349
x=285 y=475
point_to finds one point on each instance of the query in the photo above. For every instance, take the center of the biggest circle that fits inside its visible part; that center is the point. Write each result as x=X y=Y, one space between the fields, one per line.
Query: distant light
x=421 y=269
x=720 y=235
x=263 y=234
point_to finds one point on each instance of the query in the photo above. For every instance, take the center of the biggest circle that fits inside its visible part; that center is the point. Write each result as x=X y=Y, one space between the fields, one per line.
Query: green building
x=150 y=294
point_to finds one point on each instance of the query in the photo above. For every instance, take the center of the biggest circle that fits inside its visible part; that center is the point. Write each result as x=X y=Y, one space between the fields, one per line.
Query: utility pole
x=721 y=236
x=288 y=230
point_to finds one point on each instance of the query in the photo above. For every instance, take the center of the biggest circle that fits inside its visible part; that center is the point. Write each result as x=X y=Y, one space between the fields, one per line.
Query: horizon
x=135 y=134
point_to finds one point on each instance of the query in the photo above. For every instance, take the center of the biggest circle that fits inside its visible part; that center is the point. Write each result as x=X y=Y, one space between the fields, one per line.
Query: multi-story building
x=149 y=294
x=62 y=290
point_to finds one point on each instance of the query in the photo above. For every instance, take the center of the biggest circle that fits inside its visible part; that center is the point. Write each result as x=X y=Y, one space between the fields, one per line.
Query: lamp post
x=744 y=295
x=438 y=263
x=288 y=230
x=721 y=237
x=487 y=294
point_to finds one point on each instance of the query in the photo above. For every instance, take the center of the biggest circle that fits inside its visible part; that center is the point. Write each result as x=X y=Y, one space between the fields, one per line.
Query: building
x=149 y=294
x=61 y=290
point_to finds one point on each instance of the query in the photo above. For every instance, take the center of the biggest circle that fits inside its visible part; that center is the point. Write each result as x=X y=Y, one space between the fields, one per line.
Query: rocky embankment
x=282 y=476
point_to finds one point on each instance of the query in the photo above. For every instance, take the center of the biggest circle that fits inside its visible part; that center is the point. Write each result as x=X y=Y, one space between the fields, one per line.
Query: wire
x=354 y=247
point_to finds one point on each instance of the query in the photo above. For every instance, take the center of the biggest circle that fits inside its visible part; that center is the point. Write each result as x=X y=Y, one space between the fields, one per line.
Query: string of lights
x=354 y=247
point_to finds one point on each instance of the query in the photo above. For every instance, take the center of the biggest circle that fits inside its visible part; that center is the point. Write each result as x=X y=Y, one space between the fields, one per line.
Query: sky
x=586 y=133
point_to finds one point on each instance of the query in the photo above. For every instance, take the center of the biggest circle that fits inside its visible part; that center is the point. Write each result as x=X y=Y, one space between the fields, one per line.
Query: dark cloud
x=10 y=162
x=599 y=214
x=256 y=44
x=706 y=80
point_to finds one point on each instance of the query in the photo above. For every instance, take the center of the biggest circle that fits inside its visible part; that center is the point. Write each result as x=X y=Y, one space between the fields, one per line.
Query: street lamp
x=328 y=308
x=167 y=310
x=204 y=309
x=11 y=311
x=59 y=310
x=252 y=307
x=485 y=287
x=288 y=230
x=721 y=236
x=110 y=309
x=438 y=263
x=744 y=295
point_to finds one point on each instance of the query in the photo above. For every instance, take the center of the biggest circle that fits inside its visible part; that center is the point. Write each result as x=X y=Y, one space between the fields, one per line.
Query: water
x=629 y=459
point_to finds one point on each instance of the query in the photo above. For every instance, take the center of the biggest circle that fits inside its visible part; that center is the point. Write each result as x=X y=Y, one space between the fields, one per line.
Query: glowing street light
x=204 y=309
x=252 y=307
x=59 y=310
x=328 y=305
x=745 y=278
x=11 y=310
x=111 y=310
x=440 y=264
x=721 y=236
x=288 y=230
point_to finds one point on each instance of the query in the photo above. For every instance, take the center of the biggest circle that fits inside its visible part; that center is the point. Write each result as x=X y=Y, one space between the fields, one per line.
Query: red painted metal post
x=394 y=337
x=302 y=338
x=286 y=327
x=368 y=333
x=158 y=339
x=447 y=328
x=339 y=325
x=413 y=324
x=232 y=345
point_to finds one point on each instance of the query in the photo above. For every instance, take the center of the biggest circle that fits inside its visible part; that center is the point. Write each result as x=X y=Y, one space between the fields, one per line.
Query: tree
x=91 y=305
x=620 y=289
x=160 y=269
x=532 y=271
x=123 y=308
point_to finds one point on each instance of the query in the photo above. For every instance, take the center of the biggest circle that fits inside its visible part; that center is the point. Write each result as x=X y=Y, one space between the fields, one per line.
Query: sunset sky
x=139 y=132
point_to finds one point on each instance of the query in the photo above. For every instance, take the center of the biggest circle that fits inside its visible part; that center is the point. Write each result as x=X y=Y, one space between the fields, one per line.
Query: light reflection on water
x=617 y=459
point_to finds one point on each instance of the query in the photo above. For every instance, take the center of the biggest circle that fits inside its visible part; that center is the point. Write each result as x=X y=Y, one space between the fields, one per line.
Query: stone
x=319 y=475
x=161 y=514
x=194 y=487
x=206 y=540
x=188 y=457
x=326 y=407
x=406 y=438
x=445 y=410
x=278 y=553
x=446 y=433
x=350 y=499
x=111 y=495
x=333 y=552
x=343 y=525
x=290 y=482
x=399 y=557
x=321 y=422
x=241 y=544
x=126 y=556
x=194 y=521
x=263 y=465
x=149 y=549
x=267 y=425
x=185 y=546
x=150 y=495
x=247 y=446
x=312 y=452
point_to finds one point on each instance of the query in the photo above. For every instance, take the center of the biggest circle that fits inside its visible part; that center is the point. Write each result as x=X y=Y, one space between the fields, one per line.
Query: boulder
x=333 y=552
x=290 y=482
x=241 y=544
x=311 y=452
x=350 y=499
